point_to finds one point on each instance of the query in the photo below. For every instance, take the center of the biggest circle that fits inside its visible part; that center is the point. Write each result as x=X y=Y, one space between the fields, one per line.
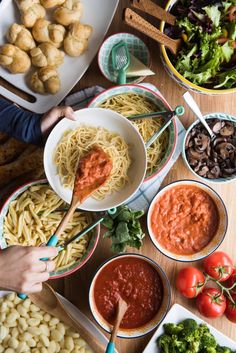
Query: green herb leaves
x=124 y=229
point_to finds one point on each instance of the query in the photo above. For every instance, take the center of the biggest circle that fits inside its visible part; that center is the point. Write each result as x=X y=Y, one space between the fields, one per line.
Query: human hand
x=21 y=269
x=49 y=119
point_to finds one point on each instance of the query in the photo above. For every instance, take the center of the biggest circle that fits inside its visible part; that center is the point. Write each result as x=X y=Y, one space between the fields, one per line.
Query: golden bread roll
x=14 y=59
x=46 y=54
x=30 y=11
x=24 y=164
x=3 y=137
x=76 y=41
x=45 y=31
x=69 y=12
x=10 y=150
x=45 y=80
x=21 y=37
x=51 y=3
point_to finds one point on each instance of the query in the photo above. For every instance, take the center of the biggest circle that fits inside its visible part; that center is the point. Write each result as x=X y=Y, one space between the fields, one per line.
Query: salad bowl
x=185 y=76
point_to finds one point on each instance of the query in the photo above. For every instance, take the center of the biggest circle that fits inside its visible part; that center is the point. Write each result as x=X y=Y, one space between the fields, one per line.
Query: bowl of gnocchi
x=31 y=215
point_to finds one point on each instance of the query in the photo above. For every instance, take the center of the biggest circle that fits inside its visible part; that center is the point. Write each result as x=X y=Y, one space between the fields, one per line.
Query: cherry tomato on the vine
x=230 y=311
x=211 y=303
x=232 y=281
x=218 y=265
x=190 y=282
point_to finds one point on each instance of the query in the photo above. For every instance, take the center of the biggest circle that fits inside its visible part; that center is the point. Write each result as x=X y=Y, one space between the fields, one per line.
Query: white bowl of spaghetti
x=136 y=99
x=30 y=216
x=70 y=140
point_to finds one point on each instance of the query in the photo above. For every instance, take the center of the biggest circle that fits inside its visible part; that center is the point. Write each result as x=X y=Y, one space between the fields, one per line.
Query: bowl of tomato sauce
x=144 y=286
x=187 y=220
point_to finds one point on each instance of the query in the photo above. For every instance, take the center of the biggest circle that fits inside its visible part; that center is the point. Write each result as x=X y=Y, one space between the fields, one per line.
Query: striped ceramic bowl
x=160 y=102
x=57 y=273
x=221 y=116
x=181 y=80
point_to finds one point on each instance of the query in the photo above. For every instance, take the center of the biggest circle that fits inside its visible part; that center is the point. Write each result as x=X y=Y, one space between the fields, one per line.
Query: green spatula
x=120 y=61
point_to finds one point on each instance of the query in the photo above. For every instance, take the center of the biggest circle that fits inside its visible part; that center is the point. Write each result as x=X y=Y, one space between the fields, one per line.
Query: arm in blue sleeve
x=22 y=125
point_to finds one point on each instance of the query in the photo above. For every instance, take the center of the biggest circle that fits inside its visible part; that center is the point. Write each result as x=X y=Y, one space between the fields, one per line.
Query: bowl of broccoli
x=206 y=61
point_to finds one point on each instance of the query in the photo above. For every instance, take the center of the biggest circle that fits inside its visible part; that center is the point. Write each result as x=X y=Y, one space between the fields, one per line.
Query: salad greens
x=189 y=337
x=208 y=29
x=124 y=229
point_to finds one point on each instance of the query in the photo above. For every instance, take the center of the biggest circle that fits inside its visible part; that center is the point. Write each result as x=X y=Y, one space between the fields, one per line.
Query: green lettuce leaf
x=213 y=13
x=227 y=79
x=232 y=30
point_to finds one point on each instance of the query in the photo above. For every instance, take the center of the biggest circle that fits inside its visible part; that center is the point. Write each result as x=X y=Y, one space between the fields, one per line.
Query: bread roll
x=30 y=11
x=44 y=31
x=69 y=12
x=46 y=54
x=76 y=41
x=51 y=3
x=21 y=37
x=10 y=150
x=14 y=59
x=45 y=80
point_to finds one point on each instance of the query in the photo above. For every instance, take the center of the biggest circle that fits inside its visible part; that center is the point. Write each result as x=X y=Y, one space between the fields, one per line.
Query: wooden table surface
x=75 y=287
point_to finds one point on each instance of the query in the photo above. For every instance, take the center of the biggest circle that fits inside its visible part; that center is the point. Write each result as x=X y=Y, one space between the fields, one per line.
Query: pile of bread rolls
x=37 y=41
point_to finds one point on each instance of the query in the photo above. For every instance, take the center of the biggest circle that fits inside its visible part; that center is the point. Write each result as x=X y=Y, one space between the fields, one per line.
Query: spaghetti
x=133 y=104
x=75 y=143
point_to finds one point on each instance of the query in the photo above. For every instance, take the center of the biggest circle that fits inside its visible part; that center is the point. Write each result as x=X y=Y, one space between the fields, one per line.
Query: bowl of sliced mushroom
x=213 y=160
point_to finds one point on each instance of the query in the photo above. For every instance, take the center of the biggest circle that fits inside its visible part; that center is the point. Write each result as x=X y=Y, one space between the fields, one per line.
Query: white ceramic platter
x=178 y=313
x=113 y=122
x=97 y=13
x=80 y=317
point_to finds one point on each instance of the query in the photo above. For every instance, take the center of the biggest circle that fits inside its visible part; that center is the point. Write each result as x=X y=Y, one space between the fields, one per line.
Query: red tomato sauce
x=184 y=219
x=137 y=282
x=93 y=170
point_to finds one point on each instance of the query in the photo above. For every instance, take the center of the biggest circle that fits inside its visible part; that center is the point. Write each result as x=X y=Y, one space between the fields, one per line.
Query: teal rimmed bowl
x=161 y=104
x=55 y=274
x=220 y=116
x=135 y=46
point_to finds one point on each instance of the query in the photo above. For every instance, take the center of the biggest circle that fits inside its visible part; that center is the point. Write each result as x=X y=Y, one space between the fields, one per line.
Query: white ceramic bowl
x=113 y=122
x=151 y=325
x=214 y=243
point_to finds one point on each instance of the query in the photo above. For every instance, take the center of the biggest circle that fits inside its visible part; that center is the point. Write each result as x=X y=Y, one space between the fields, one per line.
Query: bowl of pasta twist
x=132 y=99
x=30 y=216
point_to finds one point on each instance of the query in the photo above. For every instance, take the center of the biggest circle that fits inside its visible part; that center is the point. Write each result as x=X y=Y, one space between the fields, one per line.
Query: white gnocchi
x=26 y=328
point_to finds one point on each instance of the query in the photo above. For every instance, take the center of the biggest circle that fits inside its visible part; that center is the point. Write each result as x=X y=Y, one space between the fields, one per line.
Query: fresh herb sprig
x=124 y=229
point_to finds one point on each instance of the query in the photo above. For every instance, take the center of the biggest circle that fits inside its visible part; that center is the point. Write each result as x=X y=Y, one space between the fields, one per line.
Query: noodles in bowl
x=75 y=143
x=130 y=100
x=120 y=140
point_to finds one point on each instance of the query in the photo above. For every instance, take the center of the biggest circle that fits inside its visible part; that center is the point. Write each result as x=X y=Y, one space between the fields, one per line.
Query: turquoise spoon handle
x=121 y=77
x=51 y=242
x=110 y=347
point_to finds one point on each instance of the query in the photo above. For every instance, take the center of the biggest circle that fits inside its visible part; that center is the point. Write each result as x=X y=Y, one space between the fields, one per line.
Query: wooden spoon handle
x=66 y=218
x=154 y=10
x=134 y=20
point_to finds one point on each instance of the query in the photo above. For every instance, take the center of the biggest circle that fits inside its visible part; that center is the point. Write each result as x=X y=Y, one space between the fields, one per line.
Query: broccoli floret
x=194 y=346
x=210 y=350
x=203 y=328
x=173 y=329
x=190 y=326
x=208 y=341
x=223 y=349
x=178 y=345
x=164 y=343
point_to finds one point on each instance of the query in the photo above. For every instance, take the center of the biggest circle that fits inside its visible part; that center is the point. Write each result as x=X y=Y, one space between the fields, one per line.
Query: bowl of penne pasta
x=31 y=215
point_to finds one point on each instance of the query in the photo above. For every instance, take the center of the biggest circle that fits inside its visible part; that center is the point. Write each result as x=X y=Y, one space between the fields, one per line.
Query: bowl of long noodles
x=129 y=100
x=31 y=215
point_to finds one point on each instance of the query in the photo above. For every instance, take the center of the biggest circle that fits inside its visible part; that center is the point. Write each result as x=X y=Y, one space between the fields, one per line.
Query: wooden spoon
x=122 y=307
x=99 y=162
x=132 y=19
x=154 y=10
x=48 y=301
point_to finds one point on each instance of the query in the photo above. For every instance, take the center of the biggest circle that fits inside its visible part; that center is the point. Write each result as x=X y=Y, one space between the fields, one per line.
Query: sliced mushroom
x=225 y=149
x=196 y=155
x=202 y=141
x=219 y=140
x=227 y=130
x=230 y=171
x=193 y=162
x=217 y=126
x=197 y=168
x=203 y=171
